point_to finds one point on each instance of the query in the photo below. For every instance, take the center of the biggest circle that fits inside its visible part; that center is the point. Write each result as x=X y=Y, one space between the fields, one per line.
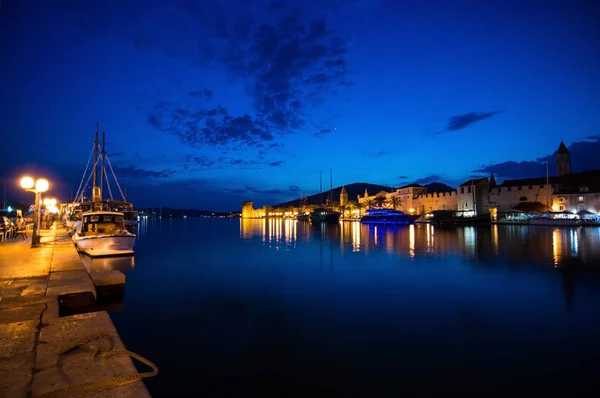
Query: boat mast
x=102 y=171
x=547 y=187
x=321 y=186
x=330 y=187
x=95 y=195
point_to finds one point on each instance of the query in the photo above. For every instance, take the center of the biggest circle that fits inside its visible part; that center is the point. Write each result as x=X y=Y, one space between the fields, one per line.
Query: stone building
x=428 y=202
x=563 y=160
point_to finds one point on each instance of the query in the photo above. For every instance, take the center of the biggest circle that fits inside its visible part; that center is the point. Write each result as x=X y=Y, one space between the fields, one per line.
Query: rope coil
x=102 y=351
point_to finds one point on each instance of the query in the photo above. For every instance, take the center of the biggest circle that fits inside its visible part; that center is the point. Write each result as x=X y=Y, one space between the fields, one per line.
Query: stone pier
x=34 y=285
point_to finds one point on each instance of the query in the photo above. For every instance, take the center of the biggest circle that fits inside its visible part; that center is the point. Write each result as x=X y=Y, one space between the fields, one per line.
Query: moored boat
x=322 y=215
x=453 y=217
x=103 y=233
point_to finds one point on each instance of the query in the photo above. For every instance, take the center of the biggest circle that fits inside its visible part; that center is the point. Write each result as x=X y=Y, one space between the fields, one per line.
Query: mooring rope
x=103 y=352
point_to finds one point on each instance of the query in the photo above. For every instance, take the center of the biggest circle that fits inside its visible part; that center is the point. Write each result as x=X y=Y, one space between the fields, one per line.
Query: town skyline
x=205 y=106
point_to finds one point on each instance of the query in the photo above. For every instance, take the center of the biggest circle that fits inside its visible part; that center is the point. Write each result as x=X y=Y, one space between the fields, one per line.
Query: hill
x=358 y=188
x=439 y=187
x=169 y=212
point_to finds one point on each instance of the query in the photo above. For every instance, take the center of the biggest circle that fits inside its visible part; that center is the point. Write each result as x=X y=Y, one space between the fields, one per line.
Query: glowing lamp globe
x=27 y=182
x=42 y=185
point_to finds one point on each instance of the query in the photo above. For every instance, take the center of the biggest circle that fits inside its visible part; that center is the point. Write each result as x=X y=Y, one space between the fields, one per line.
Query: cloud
x=294 y=188
x=323 y=132
x=139 y=173
x=459 y=122
x=276 y=163
x=583 y=155
x=202 y=93
x=214 y=126
x=429 y=179
x=403 y=177
x=289 y=64
x=251 y=189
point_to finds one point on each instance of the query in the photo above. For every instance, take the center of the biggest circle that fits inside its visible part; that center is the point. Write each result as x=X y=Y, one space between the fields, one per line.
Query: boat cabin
x=102 y=224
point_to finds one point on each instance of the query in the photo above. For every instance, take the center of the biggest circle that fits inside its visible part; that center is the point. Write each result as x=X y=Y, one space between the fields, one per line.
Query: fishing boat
x=323 y=215
x=387 y=216
x=102 y=229
x=103 y=233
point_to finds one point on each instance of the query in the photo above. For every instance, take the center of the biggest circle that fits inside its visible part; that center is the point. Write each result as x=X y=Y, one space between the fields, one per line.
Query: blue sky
x=206 y=104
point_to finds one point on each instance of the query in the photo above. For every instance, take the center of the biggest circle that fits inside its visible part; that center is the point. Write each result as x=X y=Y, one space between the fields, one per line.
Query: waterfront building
x=343 y=197
x=428 y=202
x=563 y=160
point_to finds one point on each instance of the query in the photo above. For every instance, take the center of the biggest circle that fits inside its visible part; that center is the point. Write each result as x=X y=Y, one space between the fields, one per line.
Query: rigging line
x=108 y=186
x=84 y=173
x=87 y=182
x=115 y=177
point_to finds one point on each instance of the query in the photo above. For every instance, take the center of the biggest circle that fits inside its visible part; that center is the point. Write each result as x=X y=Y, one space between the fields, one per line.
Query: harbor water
x=230 y=307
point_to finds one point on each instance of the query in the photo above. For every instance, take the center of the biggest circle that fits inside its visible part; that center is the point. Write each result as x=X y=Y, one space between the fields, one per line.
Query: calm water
x=252 y=308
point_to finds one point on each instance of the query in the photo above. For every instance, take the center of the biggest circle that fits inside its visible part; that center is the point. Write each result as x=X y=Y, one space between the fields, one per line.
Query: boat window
x=94 y=218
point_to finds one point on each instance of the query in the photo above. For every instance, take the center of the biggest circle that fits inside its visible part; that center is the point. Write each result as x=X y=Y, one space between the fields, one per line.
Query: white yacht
x=103 y=233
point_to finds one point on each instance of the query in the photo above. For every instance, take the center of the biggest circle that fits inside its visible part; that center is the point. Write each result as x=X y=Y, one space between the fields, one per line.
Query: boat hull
x=105 y=245
x=390 y=221
x=332 y=218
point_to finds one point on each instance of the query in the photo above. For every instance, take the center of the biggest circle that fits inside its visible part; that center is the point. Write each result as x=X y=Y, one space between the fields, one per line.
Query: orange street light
x=37 y=187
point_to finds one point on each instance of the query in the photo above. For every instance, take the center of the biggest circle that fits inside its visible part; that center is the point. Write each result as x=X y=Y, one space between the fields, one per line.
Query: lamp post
x=37 y=187
x=50 y=205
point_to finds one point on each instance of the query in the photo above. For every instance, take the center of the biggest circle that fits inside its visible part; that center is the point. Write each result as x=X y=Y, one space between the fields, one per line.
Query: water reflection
x=558 y=246
x=123 y=264
x=277 y=234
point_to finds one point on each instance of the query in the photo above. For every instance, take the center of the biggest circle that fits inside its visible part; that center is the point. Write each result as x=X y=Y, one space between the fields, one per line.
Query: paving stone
x=108 y=278
x=20 y=314
x=17 y=337
x=69 y=275
x=14 y=383
x=70 y=265
x=22 y=301
x=67 y=331
x=36 y=289
x=51 y=313
x=79 y=368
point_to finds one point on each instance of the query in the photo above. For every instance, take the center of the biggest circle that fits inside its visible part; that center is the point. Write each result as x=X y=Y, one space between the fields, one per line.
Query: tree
x=380 y=200
x=395 y=202
x=369 y=203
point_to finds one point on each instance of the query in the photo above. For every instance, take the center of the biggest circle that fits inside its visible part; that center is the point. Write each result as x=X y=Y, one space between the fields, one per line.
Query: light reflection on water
x=265 y=307
x=547 y=245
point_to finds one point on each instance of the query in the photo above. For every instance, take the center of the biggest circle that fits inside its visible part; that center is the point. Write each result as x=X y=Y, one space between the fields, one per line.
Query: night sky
x=209 y=103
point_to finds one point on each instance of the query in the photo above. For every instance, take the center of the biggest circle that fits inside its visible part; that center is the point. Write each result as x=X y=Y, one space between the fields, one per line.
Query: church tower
x=563 y=160
x=343 y=197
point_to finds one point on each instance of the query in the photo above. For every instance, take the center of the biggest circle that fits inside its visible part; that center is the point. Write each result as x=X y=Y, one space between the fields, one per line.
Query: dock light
x=41 y=185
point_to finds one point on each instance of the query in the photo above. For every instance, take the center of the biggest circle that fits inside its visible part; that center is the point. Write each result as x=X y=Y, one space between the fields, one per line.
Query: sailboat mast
x=321 y=186
x=547 y=187
x=330 y=187
x=102 y=171
x=95 y=163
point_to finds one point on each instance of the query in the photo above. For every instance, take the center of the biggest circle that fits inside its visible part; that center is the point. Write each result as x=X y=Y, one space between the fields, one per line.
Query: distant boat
x=103 y=233
x=451 y=217
x=304 y=217
x=387 y=216
x=322 y=215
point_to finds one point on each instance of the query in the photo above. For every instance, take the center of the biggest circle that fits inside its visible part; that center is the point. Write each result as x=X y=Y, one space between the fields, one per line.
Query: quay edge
x=35 y=286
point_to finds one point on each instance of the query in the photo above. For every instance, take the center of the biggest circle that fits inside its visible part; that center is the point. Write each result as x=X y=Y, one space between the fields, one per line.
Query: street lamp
x=37 y=187
x=50 y=205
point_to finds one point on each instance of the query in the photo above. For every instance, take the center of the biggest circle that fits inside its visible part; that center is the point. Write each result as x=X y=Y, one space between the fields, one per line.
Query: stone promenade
x=32 y=334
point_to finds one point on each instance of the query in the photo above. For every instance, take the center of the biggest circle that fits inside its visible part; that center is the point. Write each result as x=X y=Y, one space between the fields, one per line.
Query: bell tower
x=563 y=160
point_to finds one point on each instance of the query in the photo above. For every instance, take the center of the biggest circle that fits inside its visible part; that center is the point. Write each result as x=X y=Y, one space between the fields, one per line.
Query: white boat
x=103 y=233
